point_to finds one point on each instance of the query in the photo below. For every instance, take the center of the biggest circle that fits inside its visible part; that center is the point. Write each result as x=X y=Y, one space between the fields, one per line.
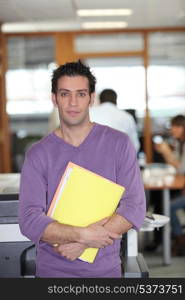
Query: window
x=166 y=74
x=125 y=76
x=30 y=64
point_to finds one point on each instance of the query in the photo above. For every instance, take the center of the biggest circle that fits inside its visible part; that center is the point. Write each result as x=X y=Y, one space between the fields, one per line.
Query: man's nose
x=73 y=100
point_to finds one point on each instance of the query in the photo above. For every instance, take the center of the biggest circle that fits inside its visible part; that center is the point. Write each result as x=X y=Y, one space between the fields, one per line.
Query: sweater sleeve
x=32 y=199
x=132 y=206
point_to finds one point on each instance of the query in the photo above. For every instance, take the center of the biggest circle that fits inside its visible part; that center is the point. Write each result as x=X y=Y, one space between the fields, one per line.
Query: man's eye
x=82 y=94
x=63 y=94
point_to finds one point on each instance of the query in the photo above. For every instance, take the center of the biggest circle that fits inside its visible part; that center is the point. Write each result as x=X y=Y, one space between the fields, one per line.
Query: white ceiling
x=61 y=14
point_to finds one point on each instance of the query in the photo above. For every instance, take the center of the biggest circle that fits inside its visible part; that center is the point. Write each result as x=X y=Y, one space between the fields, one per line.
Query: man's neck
x=74 y=135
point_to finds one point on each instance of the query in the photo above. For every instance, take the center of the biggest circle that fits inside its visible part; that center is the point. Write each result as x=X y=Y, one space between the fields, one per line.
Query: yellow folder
x=83 y=198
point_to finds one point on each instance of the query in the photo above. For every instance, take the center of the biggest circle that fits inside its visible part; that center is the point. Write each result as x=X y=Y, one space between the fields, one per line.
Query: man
x=108 y=114
x=97 y=148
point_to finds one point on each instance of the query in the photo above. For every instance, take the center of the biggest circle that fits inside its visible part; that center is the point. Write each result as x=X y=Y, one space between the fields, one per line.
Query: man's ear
x=53 y=97
x=92 y=97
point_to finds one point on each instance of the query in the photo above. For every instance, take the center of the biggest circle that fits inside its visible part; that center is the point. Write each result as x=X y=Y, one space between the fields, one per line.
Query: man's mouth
x=73 y=113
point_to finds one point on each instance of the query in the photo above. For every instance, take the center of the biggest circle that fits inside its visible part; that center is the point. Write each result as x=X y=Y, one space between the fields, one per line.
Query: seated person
x=176 y=157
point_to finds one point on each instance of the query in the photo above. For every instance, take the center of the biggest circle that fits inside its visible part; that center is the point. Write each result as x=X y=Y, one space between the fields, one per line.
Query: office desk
x=177 y=183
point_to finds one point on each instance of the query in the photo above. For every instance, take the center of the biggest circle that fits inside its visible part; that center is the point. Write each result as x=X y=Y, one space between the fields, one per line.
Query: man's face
x=73 y=100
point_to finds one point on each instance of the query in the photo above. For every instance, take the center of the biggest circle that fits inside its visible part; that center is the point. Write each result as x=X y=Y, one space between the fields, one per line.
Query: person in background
x=176 y=157
x=108 y=114
x=100 y=149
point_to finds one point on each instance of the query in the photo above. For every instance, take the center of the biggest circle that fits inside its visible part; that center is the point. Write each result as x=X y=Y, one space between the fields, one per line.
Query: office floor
x=157 y=269
x=155 y=263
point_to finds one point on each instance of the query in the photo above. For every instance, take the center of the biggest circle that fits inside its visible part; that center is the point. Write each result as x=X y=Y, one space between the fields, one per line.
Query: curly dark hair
x=73 y=69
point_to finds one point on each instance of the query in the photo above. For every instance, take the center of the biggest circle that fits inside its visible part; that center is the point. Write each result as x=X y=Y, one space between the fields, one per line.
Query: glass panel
x=30 y=61
x=126 y=77
x=167 y=48
x=28 y=89
x=108 y=42
x=166 y=74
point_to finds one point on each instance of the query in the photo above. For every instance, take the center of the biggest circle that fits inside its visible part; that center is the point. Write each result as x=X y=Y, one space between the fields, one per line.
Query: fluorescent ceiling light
x=103 y=12
x=40 y=26
x=102 y=25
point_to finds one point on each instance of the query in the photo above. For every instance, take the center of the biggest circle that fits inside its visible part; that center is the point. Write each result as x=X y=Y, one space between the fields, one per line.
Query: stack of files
x=82 y=198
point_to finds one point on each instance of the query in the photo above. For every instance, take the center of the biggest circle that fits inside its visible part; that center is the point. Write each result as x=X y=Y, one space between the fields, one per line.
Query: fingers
x=108 y=242
x=102 y=222
x=114 y=235
x=68 y=251
x=110 y=239
x=58 y=249
x=63 y=253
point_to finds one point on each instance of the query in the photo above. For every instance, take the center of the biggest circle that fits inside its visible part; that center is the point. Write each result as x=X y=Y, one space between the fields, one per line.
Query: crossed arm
x=71 y=241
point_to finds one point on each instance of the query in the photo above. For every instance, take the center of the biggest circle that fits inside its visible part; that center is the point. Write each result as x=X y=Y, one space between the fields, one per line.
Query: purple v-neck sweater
x=106 y=152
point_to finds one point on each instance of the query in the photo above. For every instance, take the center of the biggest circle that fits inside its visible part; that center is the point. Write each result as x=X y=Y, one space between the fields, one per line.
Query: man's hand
x=70 y=251
x=96 y=236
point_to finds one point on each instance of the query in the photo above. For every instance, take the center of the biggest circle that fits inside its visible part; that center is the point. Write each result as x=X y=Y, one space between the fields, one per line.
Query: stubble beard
x=71 y=123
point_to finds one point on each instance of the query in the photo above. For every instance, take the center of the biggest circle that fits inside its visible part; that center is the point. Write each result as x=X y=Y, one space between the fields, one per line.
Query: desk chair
x=28 y=266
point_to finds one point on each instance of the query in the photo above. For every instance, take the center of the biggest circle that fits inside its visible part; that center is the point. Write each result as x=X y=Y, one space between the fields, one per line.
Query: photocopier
x=13 y=245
